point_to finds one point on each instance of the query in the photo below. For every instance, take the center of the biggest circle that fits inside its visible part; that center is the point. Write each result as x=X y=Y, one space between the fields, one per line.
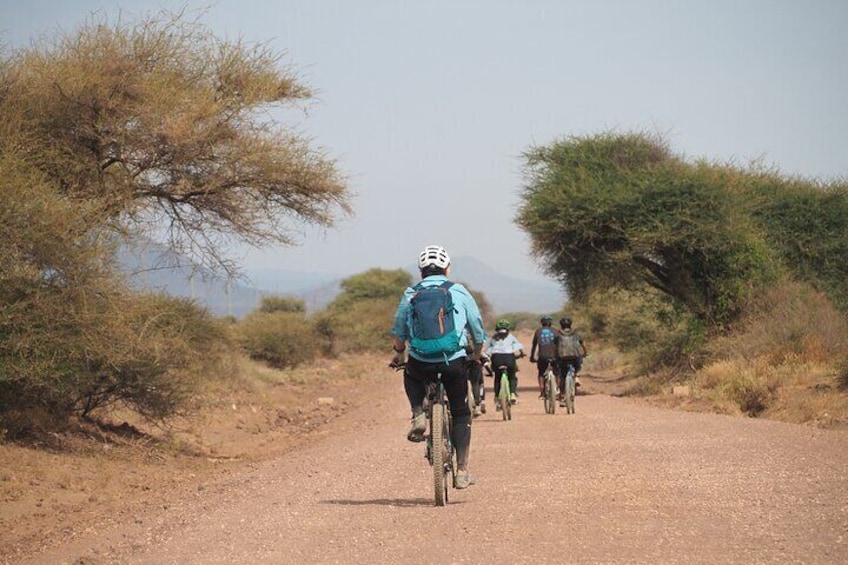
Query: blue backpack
x=432 y=330
x=547 y=342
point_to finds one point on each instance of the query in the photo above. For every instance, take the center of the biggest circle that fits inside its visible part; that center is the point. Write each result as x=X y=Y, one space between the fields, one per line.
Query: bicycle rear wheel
x=568 y=393
x=503 y=397
x=550 y=393
x=469 y=399
x=440 y=453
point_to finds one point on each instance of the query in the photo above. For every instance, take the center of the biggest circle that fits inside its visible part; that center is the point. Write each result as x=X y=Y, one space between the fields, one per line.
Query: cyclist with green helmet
x=504 y=348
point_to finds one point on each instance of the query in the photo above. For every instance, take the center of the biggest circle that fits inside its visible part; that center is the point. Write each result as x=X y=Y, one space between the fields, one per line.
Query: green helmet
x=503 y=324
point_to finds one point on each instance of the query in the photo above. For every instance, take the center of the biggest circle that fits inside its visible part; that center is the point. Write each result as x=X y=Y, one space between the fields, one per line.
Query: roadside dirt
x=78 y=482
x=618 y=482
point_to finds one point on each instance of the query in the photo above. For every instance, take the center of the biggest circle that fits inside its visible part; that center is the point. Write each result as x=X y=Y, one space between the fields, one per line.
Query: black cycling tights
x=455 y=379
x=507 y=359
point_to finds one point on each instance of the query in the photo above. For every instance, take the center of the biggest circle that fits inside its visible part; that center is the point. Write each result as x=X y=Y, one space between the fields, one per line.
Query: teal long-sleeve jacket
x=466 y=315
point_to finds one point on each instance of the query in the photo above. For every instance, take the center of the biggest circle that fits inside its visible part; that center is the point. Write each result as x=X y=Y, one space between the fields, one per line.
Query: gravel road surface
x=617 y=482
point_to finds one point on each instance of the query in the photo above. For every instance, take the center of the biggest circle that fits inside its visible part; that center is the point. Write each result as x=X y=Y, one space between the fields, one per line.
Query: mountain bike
x=568 y=388
x=438 y=447
x=550 y=390
x=504 y=393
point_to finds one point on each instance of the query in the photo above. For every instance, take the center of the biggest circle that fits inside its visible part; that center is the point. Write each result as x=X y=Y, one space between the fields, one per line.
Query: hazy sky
x=428 y=106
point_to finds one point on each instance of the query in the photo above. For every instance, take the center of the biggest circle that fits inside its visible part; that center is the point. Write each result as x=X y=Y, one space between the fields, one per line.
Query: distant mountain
x=285 y=281
x=505 y=293
x=154 y=267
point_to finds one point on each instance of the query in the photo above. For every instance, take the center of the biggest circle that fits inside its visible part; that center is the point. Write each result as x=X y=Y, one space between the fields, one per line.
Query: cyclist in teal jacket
x=434 y=265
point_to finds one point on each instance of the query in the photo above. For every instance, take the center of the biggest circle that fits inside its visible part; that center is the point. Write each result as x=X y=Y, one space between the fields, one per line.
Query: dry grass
x=783 y=362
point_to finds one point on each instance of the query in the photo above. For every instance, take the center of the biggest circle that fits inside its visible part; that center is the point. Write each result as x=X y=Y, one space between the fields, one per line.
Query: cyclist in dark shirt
x=571 y=351
x=545 y=343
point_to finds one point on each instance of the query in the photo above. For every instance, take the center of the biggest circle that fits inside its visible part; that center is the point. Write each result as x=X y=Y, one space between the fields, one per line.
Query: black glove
x=397 y=359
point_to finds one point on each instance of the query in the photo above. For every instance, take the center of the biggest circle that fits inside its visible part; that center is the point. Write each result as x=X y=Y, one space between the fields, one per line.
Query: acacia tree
x=807 y=223
x=127 y=128
x=621 y=211
x=168 y=127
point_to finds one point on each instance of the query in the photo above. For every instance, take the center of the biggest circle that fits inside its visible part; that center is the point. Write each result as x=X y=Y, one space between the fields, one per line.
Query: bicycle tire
x=450 y=455
x=503 y=397
x=568 y=393
x=469 y=399
x=439 y=454
x=550 y=393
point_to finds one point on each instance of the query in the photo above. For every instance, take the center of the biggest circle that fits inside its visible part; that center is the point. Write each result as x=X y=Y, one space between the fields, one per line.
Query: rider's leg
x=414 y=383
x=475 y=377
x=461 y=438
x=560 y=375
x=542 y=366
x=455 y=378
x=578 y=364
x=513 y=381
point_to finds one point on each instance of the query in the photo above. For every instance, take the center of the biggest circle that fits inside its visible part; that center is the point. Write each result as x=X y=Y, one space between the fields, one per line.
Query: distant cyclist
x=571 y=351
x=503 y=349
x=438 y=347
x=545 y=340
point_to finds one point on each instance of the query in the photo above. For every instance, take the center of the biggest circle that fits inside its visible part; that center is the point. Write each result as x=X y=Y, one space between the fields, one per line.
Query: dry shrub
x=644 y=324
x=603 y=360
x=276 y=303
x=144 y=353
x=648 y=385
x=359 y=326
x=819 y=405
x=842 y=375
x=281 y=339
x=787 y=347
x=792 y=321
x=792 y=390
x=750 y=390
x=713 y=375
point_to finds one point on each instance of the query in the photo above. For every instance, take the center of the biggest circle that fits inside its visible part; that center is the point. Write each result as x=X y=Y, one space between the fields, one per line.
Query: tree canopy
x=623 y=211
x=123 y=129
x=170 y=129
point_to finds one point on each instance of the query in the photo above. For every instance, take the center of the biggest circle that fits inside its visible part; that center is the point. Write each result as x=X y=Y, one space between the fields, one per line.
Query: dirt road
x=618 y=482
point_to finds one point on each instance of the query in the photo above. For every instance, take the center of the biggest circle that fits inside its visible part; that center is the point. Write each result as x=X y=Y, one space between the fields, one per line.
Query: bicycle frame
x=550 y=388
x=568 y=388
x=503 y=393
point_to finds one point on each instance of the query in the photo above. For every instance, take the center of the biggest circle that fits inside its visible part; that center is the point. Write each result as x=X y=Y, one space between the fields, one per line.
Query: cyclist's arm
x=517 y=348
x=400 y=332
x=473 y=319
x=583 y=347
x=533 y=346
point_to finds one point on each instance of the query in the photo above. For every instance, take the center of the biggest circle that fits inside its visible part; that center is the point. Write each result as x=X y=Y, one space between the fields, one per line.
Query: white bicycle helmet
x=435 y=256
